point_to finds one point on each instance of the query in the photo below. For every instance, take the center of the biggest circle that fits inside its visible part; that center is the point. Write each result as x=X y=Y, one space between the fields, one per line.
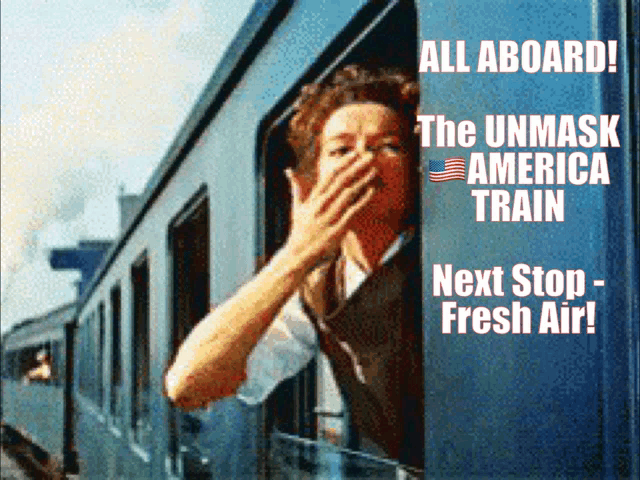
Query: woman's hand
x=320 y=215
x=211 y=363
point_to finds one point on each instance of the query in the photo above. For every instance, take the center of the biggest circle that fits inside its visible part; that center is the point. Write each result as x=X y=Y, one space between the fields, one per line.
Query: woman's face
x=372 y=129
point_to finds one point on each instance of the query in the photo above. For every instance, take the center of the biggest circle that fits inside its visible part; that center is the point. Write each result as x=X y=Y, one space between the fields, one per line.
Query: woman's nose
x=365 y=150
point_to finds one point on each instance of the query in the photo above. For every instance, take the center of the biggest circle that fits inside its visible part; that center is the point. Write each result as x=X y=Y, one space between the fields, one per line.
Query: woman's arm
x=211 y=362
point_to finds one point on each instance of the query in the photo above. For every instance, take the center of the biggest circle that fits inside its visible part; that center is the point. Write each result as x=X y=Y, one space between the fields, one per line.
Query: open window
x=58 y=362
x=140 y=414
x=307 y=413
x=100 y=356
x=35 y=363
x=87 y=354
x=189 y=260
x=116 y=397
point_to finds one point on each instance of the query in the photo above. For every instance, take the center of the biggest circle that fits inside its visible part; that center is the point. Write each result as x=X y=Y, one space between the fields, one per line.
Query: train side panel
x=36 y=411
x=104 y=438
x=497 y=405
x=222 y=163
x=534 y=404
x=35 y=401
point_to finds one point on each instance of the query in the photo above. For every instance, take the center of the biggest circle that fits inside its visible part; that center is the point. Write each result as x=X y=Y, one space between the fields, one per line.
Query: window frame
x=182 y=451
x=116 y=374
x=100 y=356
x=348 y=47
x=140 y=310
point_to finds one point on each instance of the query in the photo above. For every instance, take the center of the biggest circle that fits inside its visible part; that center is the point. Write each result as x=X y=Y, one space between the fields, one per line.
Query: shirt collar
x=354 y=276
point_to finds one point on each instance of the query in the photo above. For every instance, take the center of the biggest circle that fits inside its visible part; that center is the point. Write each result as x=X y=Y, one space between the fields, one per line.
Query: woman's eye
x=339 y=151
x=389 y=147
x=393 y=147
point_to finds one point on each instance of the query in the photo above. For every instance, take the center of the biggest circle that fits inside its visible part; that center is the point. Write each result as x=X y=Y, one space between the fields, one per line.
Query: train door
x=307 y=425
x=189 y=259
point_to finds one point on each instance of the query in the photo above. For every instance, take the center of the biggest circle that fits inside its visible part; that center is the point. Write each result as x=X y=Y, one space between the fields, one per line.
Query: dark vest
x=382 y=325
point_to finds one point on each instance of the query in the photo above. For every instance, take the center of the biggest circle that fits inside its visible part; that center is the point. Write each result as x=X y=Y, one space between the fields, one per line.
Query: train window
x=189 y=256
x=189 y=243
x=14 y=365
x=81 y=349
x=19 y=369
x=26 y=362
x=100 y=356
x=7 y=365
x=88 y=347
x=310 y=406
x=92 y=333
x=115 y=400
x=57 y=363
x=140 y=415
x=35 y=364
x=87 y=364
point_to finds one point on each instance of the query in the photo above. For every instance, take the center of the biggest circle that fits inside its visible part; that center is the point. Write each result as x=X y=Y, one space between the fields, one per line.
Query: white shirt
x=290 y=342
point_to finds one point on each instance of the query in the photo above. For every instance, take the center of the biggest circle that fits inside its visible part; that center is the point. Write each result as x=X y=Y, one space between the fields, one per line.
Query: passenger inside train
x=347 y=281
x=42 y=372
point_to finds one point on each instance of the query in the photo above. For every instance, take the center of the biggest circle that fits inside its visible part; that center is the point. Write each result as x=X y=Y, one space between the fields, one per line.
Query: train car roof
x=261 y=21
x=37 y=330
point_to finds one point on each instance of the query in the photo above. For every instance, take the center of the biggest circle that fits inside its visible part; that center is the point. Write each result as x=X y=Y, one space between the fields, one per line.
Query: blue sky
x=92 y=95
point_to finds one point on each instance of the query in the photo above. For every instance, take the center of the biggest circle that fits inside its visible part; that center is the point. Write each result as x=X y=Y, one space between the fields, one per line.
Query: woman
x=346 y=280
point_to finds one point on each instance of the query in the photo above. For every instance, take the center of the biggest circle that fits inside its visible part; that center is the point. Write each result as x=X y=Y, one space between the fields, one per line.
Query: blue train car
x=503 y=399
x=35 y=400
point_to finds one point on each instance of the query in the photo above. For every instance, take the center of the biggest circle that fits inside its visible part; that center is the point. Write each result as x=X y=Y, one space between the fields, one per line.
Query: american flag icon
x=445 y=170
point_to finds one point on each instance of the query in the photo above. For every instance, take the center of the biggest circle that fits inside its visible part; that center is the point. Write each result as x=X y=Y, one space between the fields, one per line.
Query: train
x=38 y=409
x=500 y=401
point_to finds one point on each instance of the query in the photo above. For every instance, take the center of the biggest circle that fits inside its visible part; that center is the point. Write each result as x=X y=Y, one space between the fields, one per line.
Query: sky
x=92 y=95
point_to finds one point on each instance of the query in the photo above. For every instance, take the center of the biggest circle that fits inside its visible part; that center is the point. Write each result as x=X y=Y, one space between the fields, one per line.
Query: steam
x=112 y=107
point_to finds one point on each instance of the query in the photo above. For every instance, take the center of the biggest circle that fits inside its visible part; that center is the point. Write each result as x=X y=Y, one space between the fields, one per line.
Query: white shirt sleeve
x=291 y=342
x=284 y=349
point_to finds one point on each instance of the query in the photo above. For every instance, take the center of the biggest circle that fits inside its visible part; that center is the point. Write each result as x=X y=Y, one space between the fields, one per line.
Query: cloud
x=111 y=108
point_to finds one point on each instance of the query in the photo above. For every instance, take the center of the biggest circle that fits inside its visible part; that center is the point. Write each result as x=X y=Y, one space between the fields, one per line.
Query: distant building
x=86 y=258
x=88 y=255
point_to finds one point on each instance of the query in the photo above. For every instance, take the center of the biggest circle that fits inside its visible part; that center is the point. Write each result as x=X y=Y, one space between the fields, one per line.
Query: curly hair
x=352 y=84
